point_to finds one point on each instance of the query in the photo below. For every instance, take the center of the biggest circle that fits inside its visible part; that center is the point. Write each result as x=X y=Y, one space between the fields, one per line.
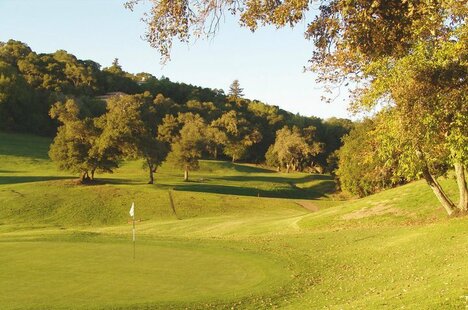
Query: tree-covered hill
x=31 y=83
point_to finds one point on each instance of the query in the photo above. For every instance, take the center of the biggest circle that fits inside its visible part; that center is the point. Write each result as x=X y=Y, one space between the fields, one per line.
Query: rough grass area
x=242 y=237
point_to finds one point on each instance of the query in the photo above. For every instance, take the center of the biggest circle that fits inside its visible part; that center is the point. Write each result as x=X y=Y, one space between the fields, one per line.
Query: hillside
x=242 y=237
x=34 y=82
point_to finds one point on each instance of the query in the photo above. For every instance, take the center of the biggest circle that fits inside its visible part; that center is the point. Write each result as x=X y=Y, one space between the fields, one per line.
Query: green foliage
x=370 y=158
x=79 y=145
x=30 y=83
x=293 y=148
x=334 y=130
x=271 y=158
x=239 y=133
x=131 y=124
x=187 y=148
x=118 y=80
x=179 y=92
x=215 y=138
x=429 y=108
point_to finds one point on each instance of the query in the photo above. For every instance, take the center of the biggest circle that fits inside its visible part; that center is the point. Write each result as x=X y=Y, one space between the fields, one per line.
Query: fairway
x=242 y=237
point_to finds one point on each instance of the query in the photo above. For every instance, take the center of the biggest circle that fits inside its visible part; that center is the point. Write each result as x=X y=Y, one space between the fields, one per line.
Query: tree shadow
x=249 y=169
x=242 y=168
x=313 y=192
x=29 y=179
x=118 y=181
x=278 y=179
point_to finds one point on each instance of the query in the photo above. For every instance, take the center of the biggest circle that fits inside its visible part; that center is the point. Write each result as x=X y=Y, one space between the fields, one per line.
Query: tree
x=240 y=135
x=79 y=145
x=117 y=80
x=235 y=91
x=188 y=147
x=271 y=158
x=431 y=105
x=369 y=159
x=315 y=148
x=334 y=130
x=15 y=99
x=292 y=147
x=12 y=51
x=215 y=138
x=42 y=79
x=131 y=123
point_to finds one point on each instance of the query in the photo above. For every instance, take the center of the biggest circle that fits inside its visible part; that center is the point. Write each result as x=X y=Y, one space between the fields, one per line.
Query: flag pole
x=133 y=236
x=132 y=214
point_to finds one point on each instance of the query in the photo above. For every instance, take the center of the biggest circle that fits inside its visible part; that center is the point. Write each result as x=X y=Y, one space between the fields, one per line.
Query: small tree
x=187 y=149
x=235 y=91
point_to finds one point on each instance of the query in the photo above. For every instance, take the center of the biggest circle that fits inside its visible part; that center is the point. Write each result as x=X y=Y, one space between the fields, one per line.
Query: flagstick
x=133 y=236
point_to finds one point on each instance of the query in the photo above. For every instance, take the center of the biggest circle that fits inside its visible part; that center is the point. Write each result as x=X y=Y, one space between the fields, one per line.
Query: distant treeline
x=32 y=83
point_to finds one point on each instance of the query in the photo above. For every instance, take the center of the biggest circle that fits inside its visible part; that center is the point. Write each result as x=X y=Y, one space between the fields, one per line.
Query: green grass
x=100 y=272
x=240 y=239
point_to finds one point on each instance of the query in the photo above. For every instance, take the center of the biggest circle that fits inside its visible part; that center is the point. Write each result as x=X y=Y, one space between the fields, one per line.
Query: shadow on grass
x=278 y=179
x=313 y=192
x=117 y=181
x=249 y=169
x=28 y=179
x=213 y=165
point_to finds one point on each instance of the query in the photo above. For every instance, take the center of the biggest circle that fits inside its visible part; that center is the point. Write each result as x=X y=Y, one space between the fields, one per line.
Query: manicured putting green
x=51 y=274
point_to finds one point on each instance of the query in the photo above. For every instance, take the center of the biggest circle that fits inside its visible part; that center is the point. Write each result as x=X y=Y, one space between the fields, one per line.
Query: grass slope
x=243 y=237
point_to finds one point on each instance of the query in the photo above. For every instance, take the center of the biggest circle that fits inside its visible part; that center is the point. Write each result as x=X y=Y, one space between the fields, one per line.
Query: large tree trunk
x=216 y=153
x=186 y=174
x=92 y=174
x=287 y=168
x=438 y=191
x=462 y=188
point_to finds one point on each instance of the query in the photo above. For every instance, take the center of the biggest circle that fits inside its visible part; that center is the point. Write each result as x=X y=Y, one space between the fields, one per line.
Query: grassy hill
x=242 y=237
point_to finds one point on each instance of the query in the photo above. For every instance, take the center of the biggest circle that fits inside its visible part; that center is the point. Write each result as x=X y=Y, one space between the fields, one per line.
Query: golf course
x=239 y=236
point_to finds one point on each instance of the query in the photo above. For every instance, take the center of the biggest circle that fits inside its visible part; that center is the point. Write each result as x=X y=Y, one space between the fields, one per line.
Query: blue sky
x=268 y=63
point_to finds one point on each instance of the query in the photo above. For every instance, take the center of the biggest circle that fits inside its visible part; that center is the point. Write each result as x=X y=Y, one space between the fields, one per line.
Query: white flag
x=132 y=210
